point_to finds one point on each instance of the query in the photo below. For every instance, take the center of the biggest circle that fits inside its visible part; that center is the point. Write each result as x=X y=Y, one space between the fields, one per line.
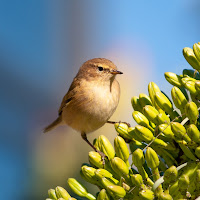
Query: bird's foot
x=103 y=156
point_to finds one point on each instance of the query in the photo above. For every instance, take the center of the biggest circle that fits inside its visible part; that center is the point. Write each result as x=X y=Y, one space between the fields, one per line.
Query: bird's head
x=100 y=69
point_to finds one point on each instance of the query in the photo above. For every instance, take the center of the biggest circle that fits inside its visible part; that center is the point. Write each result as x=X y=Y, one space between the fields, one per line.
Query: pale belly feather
x=96 y=111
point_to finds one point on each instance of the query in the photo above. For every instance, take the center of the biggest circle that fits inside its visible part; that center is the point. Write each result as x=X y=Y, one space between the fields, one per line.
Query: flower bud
x=163 y=102
x=152 y=158
x=52 y=194
x=173 y=79
x=116 y=191
x=193 y=133
x=192 y=111
x=138 y=157
x=170 y=175
x=140 y=118
x=79 y=189
x=178 y=98
x=196 y=49
x=136 y=179
x=144 y=133
x=151 y=113
x=106 y=147
x=146 y=194
x=122 y=129
x=136 y=104
x=191 y=58
x=153 y=88
x=100 y=173
x=183 y=181
x=197 y=151
x=166 y=130
x=119 y=166
x=144 y=100
x=95 y=159
x=103 y=195
x=165 y=196
x=162 y=118
x=88 y=174
x=197 y=86
x=179 y=131
x=189 y=84
x=121 y=149
x=132 y=133
x=62 y=193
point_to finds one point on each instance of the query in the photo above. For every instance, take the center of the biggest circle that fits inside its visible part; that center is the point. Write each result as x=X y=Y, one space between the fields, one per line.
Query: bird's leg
x=103 y=156
x=112 y=122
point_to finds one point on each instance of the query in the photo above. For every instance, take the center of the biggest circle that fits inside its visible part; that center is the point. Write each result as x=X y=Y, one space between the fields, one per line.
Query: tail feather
x=53 y=125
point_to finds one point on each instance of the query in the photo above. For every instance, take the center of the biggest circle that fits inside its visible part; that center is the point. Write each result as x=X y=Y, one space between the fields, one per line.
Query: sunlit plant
x=164 y=146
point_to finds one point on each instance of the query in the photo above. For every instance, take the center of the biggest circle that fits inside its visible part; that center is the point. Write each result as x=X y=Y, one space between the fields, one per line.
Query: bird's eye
x=100 y=68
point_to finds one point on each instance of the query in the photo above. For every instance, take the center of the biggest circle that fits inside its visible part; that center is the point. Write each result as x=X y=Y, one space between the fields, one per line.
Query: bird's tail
x=53 y=125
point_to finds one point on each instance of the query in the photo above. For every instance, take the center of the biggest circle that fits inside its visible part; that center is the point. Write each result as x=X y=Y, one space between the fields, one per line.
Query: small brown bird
x=91 y=99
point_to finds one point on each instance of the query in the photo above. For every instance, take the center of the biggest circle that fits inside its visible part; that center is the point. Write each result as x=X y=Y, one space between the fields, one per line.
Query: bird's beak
x=113 y=71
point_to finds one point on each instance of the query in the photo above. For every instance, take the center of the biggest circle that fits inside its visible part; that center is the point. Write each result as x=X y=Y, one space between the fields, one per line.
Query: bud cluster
x=163 y=160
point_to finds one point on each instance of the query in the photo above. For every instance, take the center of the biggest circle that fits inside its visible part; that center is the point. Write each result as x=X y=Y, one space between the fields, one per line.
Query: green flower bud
x=187 y=152
x=144 y=100
x=162 y=118
x=146 y=194
x=166 y=130
x=88 y=173
x=132 y=133
x=173 y=79
x=197 y=151
x=178 y=98
x=72 y=198
x=183 y=181
x=116 y=191
x=61 y=199
x=138 y=157
x=136 y=179
x=100 y=173
x=103 y=195
x=197 y=86
x=151 y=113
x=62 y=193
x=136 y=104
x=122 y=129
x=165 y=196
x=196 y=49
x=163 y=102
x=144 y=133
x=134 y=144
x=95 y=159
x=193 y=133
x=119 y=166
x=170 y=175
x=179 y=131
x=106 y=147
x=192 y=111
x=52 y=194
x=79 y=189
x=140 y=119
x=153 y=88
x=152 y=158
x=121 y=149
x=107 y=182
x=189 y=84
x=191 y=58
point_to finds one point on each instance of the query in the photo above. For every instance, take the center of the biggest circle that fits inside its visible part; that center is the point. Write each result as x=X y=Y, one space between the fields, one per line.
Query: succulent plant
x=164 y=146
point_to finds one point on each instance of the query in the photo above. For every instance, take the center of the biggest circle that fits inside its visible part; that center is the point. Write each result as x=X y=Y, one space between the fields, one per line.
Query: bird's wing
x=70 y=94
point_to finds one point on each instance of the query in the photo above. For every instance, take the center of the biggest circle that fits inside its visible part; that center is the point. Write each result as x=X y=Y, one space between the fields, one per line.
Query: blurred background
x=42 y=46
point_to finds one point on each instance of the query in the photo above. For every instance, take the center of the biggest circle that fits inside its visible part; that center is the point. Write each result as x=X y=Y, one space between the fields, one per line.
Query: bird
x=91 y=99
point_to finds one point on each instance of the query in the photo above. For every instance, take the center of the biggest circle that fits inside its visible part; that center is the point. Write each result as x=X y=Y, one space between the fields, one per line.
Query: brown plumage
x=91 y=99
